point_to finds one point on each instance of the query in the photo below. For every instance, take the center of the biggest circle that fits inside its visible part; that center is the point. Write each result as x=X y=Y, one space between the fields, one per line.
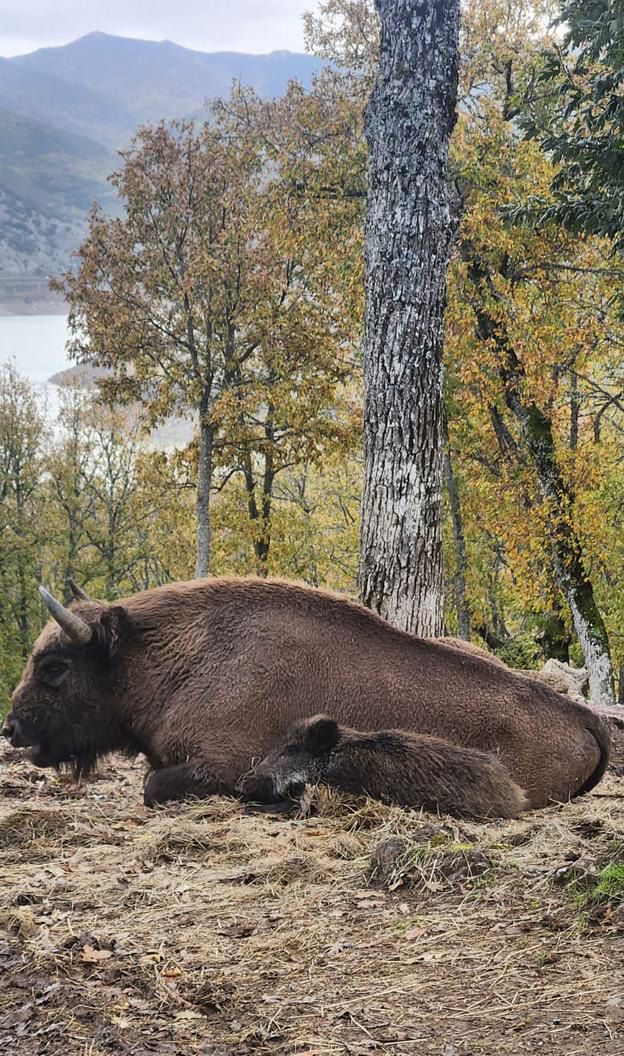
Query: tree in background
x=297 y=403
x=409 y=234
x=314 y=525
x=540 y=319
x=70 y=468
x=210 y=298
x=159 y=293
x=22 y=520
x=574 y=107
x=102 y=508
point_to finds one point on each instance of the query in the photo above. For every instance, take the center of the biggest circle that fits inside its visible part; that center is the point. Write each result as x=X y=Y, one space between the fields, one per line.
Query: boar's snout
x=257 y=787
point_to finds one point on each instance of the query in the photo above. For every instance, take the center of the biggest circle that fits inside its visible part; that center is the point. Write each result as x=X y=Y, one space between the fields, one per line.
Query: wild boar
x=409 y=769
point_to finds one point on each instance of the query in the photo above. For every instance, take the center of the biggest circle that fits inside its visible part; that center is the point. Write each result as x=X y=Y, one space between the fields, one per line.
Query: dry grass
x=358 y=929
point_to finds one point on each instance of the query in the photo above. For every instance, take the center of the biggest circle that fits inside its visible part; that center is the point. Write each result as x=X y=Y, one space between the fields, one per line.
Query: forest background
x=230 y=292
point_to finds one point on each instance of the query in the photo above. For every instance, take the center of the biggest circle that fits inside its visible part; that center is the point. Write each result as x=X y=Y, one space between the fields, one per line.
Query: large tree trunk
x=204 y=484
x=409 y=231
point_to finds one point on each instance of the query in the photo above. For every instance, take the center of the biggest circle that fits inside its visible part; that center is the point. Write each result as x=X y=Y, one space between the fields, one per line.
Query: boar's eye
x=291 y=749
x=54 y=672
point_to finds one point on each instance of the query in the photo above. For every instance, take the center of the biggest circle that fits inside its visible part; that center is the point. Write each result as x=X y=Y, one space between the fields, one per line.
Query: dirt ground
x=359 y=929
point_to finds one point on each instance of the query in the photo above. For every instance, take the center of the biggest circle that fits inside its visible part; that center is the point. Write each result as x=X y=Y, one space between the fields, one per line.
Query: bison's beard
x=76 y=752
x=62 y=755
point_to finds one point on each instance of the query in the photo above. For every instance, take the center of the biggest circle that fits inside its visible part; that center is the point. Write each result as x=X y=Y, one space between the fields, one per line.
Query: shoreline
x=29 y=296
x=10 y=313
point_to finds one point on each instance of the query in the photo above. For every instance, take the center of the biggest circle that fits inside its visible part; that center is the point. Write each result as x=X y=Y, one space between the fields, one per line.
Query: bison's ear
x=322 y=735
x=111 y=631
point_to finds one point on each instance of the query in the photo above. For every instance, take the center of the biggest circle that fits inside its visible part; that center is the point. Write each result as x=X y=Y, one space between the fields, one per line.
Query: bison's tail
x=600 y=732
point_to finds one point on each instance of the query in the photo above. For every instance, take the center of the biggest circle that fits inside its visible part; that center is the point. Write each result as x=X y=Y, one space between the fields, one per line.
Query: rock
x=386 y=855
x=576 y=678
x=614 y=1008
x=614 y=717
x=563 y=678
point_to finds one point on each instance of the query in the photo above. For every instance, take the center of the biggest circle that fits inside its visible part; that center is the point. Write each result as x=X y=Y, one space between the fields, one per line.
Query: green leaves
x=582 y=126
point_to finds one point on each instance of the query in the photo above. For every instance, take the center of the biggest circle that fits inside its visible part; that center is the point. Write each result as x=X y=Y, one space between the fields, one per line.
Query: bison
x=206 y=676
x=409 y=769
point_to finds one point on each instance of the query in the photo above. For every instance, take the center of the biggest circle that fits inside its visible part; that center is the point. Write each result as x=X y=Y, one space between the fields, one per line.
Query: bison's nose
x=14 y=732
x=8 y=730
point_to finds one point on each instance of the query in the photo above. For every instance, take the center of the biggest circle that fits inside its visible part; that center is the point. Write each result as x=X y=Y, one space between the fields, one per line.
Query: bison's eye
x=54 y=672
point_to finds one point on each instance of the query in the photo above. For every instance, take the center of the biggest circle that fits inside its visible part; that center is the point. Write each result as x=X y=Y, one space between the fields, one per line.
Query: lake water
x=37 y=344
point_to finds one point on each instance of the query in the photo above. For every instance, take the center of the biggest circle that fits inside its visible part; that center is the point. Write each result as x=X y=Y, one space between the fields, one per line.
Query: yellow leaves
x=314 y=526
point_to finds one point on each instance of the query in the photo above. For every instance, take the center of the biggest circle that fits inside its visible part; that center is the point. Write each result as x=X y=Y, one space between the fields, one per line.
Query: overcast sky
x=208 y=25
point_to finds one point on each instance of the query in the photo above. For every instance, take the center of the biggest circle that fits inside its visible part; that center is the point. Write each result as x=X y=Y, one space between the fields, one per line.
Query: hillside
x=52 y=171
x=65 y=111
x=67 y=105
x=142 y=80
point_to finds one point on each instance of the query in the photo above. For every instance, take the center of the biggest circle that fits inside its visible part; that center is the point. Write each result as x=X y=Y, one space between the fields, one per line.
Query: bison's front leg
x=178 y=782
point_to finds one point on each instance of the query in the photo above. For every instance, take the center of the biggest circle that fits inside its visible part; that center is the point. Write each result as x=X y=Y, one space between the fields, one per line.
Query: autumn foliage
x=228 y=291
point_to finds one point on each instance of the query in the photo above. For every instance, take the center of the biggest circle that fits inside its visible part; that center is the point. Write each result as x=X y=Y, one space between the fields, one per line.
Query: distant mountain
x=50 y=170
x=65 y=111
x=70 y=106
x=146 y=80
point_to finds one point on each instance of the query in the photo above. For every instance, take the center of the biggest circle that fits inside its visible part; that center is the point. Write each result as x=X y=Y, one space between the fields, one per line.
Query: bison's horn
x=78 y=592
x=76 y=629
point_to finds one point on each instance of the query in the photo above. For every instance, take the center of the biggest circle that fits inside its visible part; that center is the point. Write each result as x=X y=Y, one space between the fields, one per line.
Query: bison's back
x=253 y=656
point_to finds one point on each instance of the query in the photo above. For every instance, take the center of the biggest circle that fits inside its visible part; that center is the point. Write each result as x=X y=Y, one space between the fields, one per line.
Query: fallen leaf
x=92 y=956
x=415 y=933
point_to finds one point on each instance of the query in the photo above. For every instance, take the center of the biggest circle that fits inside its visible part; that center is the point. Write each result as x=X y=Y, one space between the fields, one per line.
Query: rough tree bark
x=459 y=543
x=409 y=232
x=568 y=561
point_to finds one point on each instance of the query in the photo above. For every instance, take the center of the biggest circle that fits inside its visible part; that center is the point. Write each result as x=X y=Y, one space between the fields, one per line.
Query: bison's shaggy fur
x=207 y=676
x=408 y=769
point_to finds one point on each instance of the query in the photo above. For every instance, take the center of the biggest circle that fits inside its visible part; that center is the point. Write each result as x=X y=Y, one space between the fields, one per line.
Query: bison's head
x=301 y=759
x=64 y=709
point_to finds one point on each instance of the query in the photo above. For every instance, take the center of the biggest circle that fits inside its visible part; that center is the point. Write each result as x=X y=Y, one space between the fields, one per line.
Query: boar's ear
x=110 y=632
x=322 y=735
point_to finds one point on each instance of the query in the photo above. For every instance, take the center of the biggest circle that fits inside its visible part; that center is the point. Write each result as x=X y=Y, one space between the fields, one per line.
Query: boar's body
x=206 y=676
x=409 y=769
